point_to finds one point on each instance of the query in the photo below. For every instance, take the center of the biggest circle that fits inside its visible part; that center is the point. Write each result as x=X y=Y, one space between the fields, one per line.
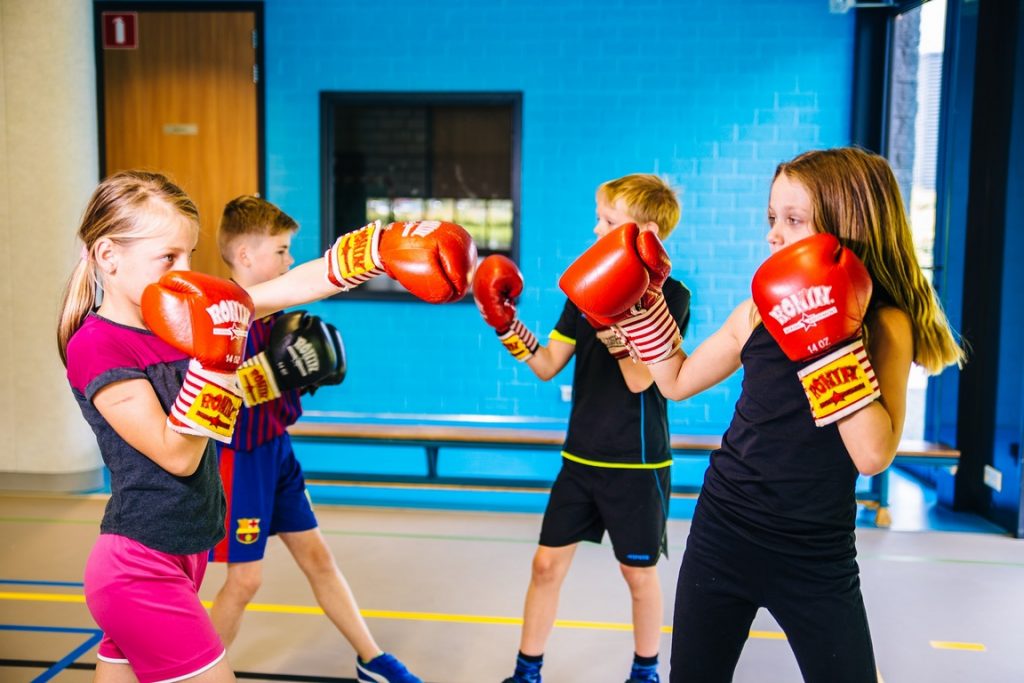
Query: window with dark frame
x=421 y=156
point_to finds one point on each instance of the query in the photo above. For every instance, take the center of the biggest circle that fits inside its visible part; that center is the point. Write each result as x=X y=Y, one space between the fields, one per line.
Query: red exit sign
x=120 y=30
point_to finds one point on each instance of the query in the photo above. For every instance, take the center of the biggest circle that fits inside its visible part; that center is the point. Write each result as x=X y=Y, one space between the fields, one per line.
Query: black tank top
x=777 y=479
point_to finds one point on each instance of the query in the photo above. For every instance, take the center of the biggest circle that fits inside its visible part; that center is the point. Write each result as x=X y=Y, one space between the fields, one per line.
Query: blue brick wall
x=711 y=95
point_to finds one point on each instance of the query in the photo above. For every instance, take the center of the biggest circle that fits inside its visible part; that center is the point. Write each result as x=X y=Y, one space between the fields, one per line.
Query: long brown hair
x=113 y=212
x=855 y=196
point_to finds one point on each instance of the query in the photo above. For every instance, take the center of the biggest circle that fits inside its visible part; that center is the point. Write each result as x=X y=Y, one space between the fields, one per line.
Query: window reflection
x=915 y=78
x=422 y=156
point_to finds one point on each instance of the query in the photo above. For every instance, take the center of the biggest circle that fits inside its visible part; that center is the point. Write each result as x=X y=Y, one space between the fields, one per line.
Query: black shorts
x=631 y=504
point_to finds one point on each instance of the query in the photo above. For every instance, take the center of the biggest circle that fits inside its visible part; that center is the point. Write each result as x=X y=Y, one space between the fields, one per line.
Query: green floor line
x=678 y=548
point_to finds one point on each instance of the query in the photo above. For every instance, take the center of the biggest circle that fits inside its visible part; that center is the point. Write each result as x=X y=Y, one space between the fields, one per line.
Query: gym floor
x=444 y=591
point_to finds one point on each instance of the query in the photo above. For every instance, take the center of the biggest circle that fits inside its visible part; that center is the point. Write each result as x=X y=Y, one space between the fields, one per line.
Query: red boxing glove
x=617 y=282
x=432 y=259
x=207 y=318
x=496 y=286
x=812 y=296
x=608 y=278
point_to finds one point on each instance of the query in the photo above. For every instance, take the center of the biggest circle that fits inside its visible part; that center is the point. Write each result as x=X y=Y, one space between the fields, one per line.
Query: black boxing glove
x=301 y=352
x=337 y=374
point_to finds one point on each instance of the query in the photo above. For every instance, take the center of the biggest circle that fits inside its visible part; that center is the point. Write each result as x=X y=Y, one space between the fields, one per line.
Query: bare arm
x=713 y=361
x=300 y=285
x=637 y=375
x=872 y=434
x=548 y=361
x=132 y=408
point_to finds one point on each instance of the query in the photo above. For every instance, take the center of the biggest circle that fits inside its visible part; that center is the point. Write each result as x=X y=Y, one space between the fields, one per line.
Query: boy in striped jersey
x=266 y=493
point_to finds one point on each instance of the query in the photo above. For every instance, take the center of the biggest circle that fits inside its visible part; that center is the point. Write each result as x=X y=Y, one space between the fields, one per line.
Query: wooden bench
x=432 y=438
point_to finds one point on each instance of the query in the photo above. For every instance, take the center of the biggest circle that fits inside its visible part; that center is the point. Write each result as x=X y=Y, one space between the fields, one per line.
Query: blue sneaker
x=526 y=672
x=644 y=674
x=384 y=668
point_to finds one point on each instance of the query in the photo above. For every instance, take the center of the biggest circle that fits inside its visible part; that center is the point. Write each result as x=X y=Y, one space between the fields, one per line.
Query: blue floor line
x=95 y=635
x=21 y=582
x=70 y=657
x=47 y=629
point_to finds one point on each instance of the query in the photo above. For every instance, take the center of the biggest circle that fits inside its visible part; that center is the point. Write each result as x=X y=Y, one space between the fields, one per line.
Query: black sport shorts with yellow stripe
x=631 y=504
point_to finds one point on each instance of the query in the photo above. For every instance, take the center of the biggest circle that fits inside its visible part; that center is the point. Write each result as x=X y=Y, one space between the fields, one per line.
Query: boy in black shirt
x=615 y=472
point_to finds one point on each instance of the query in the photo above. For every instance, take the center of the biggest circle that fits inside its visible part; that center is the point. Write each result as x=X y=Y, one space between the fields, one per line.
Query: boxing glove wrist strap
x=615 y=344
x=207 y=404
x=840 y=383
x=651 y=334
x=519 y=341
x=354 y=257
x=256 y=380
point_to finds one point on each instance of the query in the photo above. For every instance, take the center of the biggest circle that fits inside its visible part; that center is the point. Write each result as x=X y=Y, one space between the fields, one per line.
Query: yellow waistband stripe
x=618 y=465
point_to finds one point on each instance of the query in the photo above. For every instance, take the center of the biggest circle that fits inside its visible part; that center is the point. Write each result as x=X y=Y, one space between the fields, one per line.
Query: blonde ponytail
x=78 y=300
x=114 y=212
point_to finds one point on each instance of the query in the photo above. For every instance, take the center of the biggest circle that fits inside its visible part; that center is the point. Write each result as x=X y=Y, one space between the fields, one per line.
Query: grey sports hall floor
x=444 y=590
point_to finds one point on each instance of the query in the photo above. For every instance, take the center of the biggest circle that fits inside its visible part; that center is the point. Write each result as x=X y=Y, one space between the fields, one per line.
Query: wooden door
x=185 y=103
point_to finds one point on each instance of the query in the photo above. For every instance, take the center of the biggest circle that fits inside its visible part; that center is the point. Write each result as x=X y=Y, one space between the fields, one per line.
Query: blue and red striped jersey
x=259 y=424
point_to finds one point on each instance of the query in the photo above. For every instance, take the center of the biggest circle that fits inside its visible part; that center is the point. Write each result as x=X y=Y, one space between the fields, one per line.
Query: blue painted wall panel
x=711 y=95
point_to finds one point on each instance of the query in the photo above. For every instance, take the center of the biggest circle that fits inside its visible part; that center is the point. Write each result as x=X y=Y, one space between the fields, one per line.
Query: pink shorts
x=147 y=603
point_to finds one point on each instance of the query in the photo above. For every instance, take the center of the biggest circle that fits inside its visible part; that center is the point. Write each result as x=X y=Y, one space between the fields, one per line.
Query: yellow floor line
x=397 y=615
x=950 y=645
x=447 y=618
x=440 y=617
x=43 y=597
x=479 y=619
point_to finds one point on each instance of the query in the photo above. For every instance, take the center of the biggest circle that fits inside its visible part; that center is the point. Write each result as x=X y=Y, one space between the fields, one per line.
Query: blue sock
x=528 y=668
x=645 y=669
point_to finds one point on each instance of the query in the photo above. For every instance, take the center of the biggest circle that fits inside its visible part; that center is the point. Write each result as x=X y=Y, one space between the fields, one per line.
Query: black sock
x=645 y=661
x=536 y=659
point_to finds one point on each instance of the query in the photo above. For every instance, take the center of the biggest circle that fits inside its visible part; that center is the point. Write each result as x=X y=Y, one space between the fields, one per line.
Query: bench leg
x=880 y=484
x=877 y=499
x=432 y=457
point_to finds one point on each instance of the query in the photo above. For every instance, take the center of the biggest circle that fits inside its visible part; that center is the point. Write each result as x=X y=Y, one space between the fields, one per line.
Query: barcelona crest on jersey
x=248 y=530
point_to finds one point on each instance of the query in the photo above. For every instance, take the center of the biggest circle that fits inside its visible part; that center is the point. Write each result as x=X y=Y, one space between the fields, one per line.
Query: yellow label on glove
x=257 y=385
x=215 y=409
x=519 y=341
x=516 y=347
x=355 y=252
x=839 y=384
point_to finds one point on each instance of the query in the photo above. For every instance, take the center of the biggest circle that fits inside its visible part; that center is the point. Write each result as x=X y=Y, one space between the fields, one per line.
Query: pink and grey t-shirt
x=177 y=515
